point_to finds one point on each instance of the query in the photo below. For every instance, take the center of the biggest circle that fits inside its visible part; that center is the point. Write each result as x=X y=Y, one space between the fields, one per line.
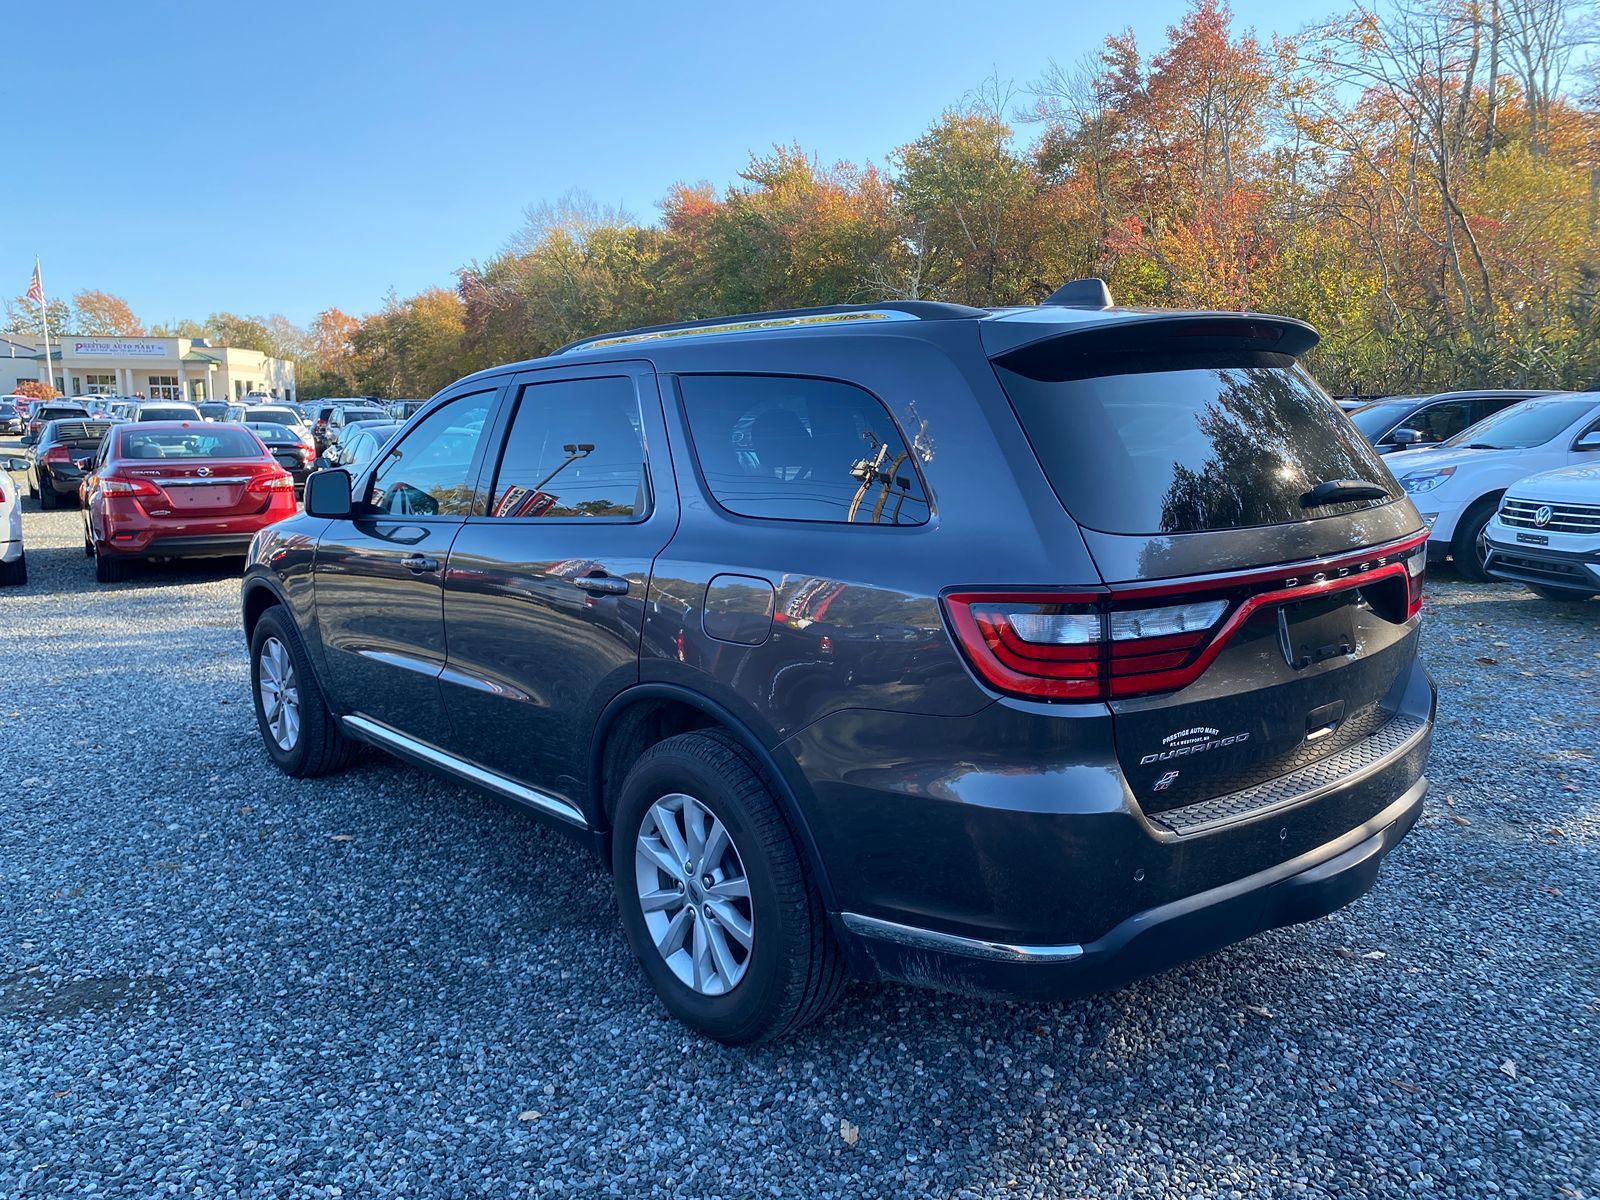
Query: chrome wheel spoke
x=730 y=889
x=279 y=693
x=671 y=941
x=731 y=919
x=721 y=954
x=661 y=857
x=661 y=900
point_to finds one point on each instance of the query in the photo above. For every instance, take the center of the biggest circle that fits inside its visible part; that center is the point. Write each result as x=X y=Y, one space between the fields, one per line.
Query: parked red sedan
x=179 y=489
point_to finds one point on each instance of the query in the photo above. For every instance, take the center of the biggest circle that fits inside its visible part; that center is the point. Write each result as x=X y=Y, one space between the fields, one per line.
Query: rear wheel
x=714 y=896
x=1545 y=592
x=14 y=574
x=108 y=569
x=47 y=493
x=1467 y=547
x=299 y=731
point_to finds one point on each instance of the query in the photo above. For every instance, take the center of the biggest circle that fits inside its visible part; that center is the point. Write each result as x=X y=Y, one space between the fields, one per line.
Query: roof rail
x=788 y=318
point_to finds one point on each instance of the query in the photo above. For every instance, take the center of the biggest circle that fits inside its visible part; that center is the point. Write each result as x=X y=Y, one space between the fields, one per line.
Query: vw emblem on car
x=203 y=472
x=1542 y=515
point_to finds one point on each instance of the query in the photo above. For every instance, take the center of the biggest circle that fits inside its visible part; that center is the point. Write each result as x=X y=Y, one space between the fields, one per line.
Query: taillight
x=1136 y=639
x=1076 y=646
x=1416 y=573
x=128 y=487
x=58 y=454
x=280 y=481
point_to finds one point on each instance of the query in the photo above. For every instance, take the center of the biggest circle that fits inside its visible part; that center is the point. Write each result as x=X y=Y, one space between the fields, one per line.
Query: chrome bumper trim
x=950 y=943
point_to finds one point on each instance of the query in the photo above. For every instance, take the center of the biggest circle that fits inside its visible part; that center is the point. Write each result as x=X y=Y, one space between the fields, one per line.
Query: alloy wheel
x=280 y=693
x=694 y=894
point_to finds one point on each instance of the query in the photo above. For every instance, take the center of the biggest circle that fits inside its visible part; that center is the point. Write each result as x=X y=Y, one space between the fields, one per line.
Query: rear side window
x=576 y=449
x=795 y=449
x=1153 y=443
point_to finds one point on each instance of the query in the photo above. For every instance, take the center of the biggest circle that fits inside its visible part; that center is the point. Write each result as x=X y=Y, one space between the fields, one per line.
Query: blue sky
x=283 y=157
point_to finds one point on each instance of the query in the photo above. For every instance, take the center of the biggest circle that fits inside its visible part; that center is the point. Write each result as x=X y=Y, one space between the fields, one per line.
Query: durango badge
x=1197 y=739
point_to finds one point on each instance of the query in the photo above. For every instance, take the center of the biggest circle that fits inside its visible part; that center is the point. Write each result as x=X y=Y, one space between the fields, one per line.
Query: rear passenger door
x=544 y=599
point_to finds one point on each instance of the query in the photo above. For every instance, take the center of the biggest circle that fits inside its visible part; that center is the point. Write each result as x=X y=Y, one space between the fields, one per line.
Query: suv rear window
x=795 y=449
x=1179 y=442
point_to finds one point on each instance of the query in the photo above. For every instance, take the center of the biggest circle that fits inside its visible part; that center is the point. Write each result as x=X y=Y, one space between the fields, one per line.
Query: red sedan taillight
x=277 y=481
x=111 y=485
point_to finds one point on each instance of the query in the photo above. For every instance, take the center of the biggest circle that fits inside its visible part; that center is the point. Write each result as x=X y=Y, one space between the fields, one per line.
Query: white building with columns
x=158 y=368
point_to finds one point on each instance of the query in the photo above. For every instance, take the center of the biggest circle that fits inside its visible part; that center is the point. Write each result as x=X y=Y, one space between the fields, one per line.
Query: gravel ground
x=216 y=982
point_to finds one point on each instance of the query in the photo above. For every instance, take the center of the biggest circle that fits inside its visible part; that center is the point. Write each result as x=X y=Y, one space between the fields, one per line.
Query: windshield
x=210 y=441
x=1177 y=442
x=1531 y=423
x=1375 y=419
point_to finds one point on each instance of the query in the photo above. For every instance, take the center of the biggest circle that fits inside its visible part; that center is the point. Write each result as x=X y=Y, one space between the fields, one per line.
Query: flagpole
x=44 y=323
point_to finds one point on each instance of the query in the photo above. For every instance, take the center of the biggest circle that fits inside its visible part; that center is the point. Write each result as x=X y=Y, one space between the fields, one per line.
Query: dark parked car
x=290 y=448
x=42 y=412
x=164 y=490
x=1412 y=422
x=56 y=462
x=360 y=442
x=1026 y=651
x=213 y=410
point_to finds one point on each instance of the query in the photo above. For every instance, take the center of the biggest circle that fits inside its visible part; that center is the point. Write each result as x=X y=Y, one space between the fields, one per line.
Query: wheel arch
x=624 y=731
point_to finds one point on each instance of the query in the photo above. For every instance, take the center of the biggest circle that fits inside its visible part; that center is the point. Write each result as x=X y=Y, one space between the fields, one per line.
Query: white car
x=1546 y=534
x=1457 y=484
x=13 y=562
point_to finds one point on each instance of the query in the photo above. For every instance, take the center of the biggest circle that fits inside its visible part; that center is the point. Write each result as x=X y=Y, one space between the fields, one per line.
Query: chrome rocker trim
x=393 y=739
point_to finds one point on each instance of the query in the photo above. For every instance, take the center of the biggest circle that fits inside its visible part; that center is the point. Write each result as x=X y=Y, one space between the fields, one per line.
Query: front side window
x=575 y=450
x=429 y=474
x=797 y=449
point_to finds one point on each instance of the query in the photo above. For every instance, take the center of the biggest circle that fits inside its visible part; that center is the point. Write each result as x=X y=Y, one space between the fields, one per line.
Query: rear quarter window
x=1180 y=442
x=787 y=448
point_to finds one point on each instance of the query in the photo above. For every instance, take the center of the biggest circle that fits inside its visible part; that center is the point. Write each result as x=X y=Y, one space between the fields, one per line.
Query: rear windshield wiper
x=1339 y=491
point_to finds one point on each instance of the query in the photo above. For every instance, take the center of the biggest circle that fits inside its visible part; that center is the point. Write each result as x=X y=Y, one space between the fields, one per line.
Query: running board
x=393 y=739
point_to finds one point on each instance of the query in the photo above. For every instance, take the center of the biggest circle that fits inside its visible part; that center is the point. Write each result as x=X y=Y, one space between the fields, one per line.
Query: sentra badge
x=1197 y=739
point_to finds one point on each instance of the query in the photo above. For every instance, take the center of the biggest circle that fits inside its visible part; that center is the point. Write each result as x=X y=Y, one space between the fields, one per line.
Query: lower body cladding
x=980 y=858
x=1569 y=562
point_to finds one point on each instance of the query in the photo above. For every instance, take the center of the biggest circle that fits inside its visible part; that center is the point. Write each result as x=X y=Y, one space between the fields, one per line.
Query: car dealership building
x=159 y=368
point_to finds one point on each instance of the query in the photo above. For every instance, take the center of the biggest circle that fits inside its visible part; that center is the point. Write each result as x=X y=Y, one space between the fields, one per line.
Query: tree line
x=1420 y=181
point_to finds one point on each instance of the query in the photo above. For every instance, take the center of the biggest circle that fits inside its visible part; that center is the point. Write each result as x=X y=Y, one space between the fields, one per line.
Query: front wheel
x=1467 y=547
x=714 y=895
x=300 y=732
x=1545 y=592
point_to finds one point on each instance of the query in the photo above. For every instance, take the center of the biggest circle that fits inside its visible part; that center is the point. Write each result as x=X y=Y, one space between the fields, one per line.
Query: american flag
x=36 y=288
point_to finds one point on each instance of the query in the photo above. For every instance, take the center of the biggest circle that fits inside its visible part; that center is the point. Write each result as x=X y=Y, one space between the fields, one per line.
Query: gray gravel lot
x=217 y=982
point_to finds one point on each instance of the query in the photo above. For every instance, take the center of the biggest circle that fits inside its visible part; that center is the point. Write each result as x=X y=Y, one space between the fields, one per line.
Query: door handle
x=418 y=564
x=610 y=585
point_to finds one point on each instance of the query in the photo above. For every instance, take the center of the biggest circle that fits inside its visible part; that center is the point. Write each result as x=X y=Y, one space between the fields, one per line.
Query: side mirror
x=328 y=494
x=16 y=464
x=1589 y=441
x=1405 y=437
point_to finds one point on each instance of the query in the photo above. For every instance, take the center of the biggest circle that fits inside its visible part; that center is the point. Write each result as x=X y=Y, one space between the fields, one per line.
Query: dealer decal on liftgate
x=1196 y=740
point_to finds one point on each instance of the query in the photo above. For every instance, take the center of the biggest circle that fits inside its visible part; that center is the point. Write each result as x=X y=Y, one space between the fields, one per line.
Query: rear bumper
x=218 y=545
x=1157 y=939
x=62 y=483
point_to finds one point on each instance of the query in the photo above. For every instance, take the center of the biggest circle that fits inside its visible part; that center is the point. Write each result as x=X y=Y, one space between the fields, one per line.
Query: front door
x=544 y=598
x=380 y=575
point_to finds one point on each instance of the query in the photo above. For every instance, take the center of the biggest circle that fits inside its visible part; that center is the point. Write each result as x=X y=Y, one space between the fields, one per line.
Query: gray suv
x=1027 y=651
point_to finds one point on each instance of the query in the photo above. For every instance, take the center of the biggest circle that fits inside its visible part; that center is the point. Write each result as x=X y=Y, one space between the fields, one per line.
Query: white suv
x=1457 y=485
x=1546 y=534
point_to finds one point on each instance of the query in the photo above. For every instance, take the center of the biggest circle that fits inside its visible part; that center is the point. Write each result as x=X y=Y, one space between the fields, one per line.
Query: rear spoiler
x=1134 y=330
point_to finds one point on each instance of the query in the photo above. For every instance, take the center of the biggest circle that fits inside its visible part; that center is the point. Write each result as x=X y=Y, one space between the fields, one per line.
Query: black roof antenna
x=1081 y=293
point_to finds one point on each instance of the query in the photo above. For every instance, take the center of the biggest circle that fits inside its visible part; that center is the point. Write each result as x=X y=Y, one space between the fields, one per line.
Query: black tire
x=795 y=971
x=1545 y=592
x=320 y=748
x=14 y=574
x=1464 y=546
x=88 y=542
x=110 y=570
x=47 y=494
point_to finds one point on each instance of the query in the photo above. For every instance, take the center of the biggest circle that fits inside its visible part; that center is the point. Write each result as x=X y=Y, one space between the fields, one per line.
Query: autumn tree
x=22 y=317
x=102 y=314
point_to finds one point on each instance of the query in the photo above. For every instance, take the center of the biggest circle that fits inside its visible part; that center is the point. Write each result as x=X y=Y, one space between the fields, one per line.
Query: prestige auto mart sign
x=109 y=348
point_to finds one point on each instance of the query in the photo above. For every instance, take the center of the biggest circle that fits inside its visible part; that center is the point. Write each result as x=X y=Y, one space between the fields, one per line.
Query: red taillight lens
x=1077 y=646
x=1416 y=572
x=112 y=486
x=57 y=454
x=280 y=481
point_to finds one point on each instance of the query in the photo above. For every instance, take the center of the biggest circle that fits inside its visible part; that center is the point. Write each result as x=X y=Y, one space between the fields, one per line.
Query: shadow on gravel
x=65 y=570
x=28 y=995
